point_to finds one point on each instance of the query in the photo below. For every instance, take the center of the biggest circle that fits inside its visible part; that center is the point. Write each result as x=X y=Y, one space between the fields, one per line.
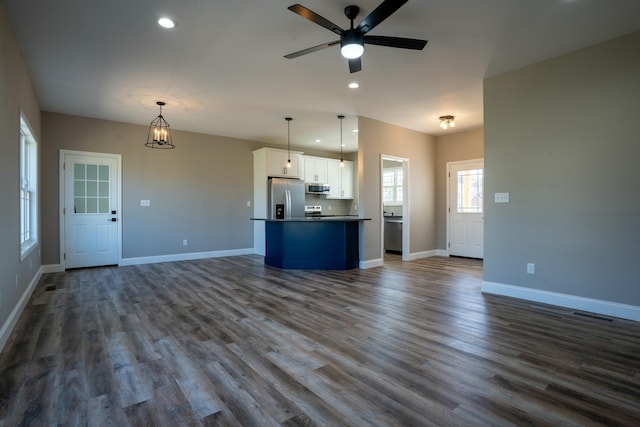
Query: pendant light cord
x=341 y=157
x=288 y=119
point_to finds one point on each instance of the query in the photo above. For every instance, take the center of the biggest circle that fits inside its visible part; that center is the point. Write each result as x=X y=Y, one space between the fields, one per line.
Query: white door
x=466 y=209
x=91 y=209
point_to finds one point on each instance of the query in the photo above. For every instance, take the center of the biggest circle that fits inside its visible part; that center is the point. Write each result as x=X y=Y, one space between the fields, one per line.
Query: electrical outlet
x=531 y=268
x=329 y=207
x=145 y=202
x=184 y=242
x=248 y=203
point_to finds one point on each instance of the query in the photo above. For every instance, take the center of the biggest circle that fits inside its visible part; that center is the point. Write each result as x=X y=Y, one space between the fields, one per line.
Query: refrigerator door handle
x=287 y=204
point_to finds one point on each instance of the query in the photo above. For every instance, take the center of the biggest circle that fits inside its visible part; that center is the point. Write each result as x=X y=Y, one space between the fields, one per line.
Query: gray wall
x=374 y=139
x=16 y=93
x=198 y=192
x=452 y=148
x=562 y=138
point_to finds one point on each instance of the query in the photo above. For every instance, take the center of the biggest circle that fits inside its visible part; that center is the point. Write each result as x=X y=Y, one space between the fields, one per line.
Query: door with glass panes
x=91 y=211
x=466 y=209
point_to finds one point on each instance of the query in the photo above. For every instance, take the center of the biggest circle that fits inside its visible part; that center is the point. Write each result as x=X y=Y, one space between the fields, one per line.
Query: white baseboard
x=363 y=265
x=10 y=323
x=427 y=254
x=607 y=308
x=185 y=257
x=52 y=268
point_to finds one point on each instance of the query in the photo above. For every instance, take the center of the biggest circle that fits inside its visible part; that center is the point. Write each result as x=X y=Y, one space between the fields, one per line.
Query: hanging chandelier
x=447 y=122
x=159 y=132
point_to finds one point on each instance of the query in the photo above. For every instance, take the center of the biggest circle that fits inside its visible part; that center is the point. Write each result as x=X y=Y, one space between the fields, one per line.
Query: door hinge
x=449 y=244
x=64 y=166
x=64 y=211
x=64 y=256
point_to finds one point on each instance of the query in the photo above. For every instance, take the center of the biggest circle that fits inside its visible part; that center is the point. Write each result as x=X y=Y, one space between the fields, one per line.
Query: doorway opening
x=394 y=206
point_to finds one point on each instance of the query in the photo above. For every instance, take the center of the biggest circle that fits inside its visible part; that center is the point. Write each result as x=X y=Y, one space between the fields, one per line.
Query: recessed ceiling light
x=166 y=22
x=355 y=131
x=317 y=140
x=354 y=85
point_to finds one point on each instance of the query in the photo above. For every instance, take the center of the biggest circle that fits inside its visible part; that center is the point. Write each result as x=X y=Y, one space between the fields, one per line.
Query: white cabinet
x=277 y=163
x=315 y=169
x=341 y=179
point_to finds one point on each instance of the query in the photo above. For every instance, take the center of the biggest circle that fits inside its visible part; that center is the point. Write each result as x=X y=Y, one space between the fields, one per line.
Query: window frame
x=28 y=233
x=398 y=183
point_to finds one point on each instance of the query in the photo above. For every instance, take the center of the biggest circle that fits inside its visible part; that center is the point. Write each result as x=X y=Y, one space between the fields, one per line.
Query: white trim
x=52 y=268
x=427 y=254
x=10 y=323
x=363 y=265
x=61 y=199
x=185 y=256
x=448 y=202
x=607 y=308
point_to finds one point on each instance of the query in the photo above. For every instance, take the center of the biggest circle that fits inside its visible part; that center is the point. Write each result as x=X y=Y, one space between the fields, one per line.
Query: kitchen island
x=316 y=243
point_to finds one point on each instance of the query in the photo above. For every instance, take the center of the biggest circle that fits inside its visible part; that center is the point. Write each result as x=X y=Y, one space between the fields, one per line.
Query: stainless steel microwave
x=317 y=188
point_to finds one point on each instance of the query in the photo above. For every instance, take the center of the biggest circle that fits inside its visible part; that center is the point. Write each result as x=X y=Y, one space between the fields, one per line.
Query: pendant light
x=288 y=119
x=159 y=132
x=341 y=117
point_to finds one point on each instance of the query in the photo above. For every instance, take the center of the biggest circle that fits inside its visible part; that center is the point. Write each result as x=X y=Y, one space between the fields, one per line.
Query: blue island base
x=312 y=245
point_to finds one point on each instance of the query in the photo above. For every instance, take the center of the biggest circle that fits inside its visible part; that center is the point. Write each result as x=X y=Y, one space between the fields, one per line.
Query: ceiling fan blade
x=314 y=17
x=355 y=65
x=400 y=42
x=311 y=49
x=382 y=12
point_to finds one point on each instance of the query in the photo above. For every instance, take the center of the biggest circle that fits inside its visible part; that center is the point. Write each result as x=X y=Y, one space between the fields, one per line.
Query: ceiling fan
x=352 y=41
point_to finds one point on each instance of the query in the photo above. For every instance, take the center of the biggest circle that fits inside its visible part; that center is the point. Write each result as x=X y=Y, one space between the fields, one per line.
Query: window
x=392 y=185
x=28 y=189
x=470 y=184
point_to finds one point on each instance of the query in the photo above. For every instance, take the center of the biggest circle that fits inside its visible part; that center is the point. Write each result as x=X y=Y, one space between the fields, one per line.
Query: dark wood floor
x=229 y=341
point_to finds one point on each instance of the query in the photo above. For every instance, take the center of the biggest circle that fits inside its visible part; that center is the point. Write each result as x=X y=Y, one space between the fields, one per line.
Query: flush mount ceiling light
x=354 y=85
x=167 y=23
x=159 y=132
x=341 y=117
x=288 y=119
x=447 y=122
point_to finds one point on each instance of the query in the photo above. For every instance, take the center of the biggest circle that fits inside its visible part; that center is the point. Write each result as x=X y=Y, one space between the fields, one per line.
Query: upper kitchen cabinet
x=340 y=178
x=276 y=162
x=315 y=169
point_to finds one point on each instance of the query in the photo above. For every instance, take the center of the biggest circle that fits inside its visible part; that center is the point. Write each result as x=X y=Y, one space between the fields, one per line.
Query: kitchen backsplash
x=392 y=210
x=332 y=206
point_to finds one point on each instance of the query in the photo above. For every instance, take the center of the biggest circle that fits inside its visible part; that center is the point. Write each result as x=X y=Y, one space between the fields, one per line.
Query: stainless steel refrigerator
x=286 y=198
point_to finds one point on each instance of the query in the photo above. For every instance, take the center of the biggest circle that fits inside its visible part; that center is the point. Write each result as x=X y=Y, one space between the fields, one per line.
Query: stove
x=313 y=210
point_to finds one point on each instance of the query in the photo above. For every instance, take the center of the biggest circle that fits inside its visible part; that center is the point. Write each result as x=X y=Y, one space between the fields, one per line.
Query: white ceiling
x=221 y=71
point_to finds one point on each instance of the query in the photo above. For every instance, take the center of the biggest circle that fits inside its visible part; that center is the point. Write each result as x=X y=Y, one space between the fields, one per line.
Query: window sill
x=26 y=249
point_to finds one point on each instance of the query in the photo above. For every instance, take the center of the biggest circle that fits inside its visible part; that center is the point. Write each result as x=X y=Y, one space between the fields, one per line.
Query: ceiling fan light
x=351 y=45
x=352 y=51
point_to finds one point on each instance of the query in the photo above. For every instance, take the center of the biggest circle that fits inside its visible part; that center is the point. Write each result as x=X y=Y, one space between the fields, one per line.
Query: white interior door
x=466 y=209
x=91 y=209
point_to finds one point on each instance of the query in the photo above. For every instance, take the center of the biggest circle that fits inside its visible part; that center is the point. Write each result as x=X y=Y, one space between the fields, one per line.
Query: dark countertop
x=336 y=218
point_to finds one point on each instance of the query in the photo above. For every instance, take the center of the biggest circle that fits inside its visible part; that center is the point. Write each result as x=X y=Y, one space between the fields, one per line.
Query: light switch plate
x=501 y=197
